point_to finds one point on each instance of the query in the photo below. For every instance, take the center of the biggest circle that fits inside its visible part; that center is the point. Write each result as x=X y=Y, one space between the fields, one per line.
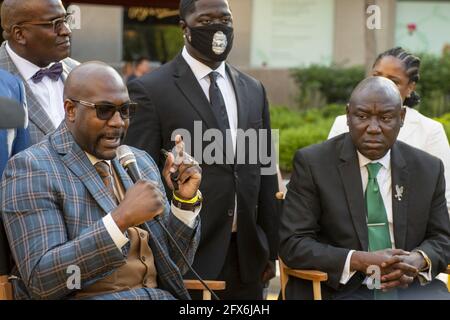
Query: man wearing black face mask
x=198 y=91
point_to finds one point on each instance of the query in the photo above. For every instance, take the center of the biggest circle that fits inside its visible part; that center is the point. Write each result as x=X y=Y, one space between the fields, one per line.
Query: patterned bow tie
x=54 y=72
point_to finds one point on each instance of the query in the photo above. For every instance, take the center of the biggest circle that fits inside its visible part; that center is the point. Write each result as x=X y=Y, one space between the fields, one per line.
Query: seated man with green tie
x=367 y=209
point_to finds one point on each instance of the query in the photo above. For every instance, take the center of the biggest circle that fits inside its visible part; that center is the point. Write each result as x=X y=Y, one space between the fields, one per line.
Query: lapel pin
x=398 y=192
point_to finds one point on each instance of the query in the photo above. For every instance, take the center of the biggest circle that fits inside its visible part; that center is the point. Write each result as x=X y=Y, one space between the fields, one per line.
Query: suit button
x=230 y=212
x=236 y=175
x=143 y=258
x=142 y=235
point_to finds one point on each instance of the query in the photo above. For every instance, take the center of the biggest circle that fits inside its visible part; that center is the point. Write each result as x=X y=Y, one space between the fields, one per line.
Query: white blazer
x=418 y=131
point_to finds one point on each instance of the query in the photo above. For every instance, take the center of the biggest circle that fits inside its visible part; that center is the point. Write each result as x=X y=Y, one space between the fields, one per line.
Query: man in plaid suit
x=60 y=214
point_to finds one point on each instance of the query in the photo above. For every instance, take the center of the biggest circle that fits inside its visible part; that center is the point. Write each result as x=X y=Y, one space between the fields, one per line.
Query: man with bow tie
x=36 y=49
x=363 y=201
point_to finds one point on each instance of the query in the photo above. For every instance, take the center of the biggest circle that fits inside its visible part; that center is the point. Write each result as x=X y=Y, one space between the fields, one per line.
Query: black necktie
x=218 y=103
x=220 y=112
x=54 y=72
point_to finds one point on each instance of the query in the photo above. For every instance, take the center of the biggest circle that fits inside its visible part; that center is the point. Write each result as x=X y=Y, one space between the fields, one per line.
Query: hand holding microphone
x=143 y=201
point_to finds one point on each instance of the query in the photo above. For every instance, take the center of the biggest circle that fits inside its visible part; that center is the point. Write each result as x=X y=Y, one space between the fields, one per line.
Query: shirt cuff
x=425 y=276
x=186 y=216
x=118 y=237
x=346 y=274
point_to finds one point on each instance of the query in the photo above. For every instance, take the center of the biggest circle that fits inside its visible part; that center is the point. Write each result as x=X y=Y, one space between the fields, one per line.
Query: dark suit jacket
x=325 y=215
x=52 y=202
x=171 y=98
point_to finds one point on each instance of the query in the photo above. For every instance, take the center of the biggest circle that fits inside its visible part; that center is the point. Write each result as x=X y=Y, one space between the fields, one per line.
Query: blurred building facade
x=271 y=36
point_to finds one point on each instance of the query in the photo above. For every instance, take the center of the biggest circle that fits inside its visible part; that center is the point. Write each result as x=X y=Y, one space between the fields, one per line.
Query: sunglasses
x=106 y=111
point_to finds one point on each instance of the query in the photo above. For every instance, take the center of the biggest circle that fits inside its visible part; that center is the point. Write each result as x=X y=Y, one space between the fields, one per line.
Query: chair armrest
x=197 y=285
x=311 y=275
x=5 y=288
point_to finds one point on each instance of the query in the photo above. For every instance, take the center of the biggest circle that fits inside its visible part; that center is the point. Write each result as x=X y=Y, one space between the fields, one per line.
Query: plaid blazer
x=52 y=202
x=40 y=123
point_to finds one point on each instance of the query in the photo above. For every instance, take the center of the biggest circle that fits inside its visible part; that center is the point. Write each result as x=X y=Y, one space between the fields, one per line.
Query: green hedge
x=434 y=85
x=322 y=85
x=299 y=129
x=445 y=120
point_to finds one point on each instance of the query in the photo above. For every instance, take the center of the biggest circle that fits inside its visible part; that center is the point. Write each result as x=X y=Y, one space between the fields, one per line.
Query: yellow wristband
x=190 y=201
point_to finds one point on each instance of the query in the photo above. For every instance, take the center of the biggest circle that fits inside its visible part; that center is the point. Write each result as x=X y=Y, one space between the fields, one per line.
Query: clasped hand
x=398 y=268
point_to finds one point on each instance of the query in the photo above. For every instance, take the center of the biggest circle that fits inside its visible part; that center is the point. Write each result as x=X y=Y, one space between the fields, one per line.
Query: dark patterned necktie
x=104 y=172
x=54 y=73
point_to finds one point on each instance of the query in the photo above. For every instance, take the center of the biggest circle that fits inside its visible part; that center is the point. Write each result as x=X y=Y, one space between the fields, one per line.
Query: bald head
x=376 y=90
x=17 y=11
x=374 y=116
x=89 y=78
x=12 y=12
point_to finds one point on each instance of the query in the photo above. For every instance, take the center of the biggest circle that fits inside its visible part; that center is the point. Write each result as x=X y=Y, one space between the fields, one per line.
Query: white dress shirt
x=201 y=73
x=186 y=216
x=49 y=93
x=384 y=179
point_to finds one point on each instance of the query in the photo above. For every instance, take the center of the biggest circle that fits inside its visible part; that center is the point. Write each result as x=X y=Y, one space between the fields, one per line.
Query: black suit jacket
x=171 y=98
x=325 y=214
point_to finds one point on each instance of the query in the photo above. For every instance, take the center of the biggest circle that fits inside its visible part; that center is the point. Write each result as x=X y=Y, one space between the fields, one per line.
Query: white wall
x=100 y=36
x=290 y=33
x=432 y=21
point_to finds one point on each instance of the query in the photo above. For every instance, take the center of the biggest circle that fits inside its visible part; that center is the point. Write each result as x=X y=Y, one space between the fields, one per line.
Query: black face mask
x=214 y=41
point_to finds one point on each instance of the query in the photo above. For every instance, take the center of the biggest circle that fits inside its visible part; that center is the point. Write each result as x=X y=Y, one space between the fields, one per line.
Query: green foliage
x=434 y=85
x=320 y=85
x=301 y=129
x=159 y=42
x=445 y=120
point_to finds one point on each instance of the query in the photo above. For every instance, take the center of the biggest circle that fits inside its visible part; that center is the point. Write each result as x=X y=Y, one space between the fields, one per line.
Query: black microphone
x=12 y=114
x=128 y=162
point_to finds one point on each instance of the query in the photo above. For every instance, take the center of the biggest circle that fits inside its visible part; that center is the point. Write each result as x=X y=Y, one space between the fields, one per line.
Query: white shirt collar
x=385 y=161
x=25 y=67
x=199 y=69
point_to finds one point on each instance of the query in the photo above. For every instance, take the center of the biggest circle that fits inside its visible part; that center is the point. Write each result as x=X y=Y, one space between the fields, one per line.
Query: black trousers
x=435 y=290
x=235 y=288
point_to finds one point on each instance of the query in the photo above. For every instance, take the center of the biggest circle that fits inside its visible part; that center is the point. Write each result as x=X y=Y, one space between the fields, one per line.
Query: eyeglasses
x=106 y=111
x=56 y=23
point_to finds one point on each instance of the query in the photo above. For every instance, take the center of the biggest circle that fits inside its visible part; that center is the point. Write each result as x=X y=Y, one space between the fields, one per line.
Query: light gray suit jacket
x=40 y=123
